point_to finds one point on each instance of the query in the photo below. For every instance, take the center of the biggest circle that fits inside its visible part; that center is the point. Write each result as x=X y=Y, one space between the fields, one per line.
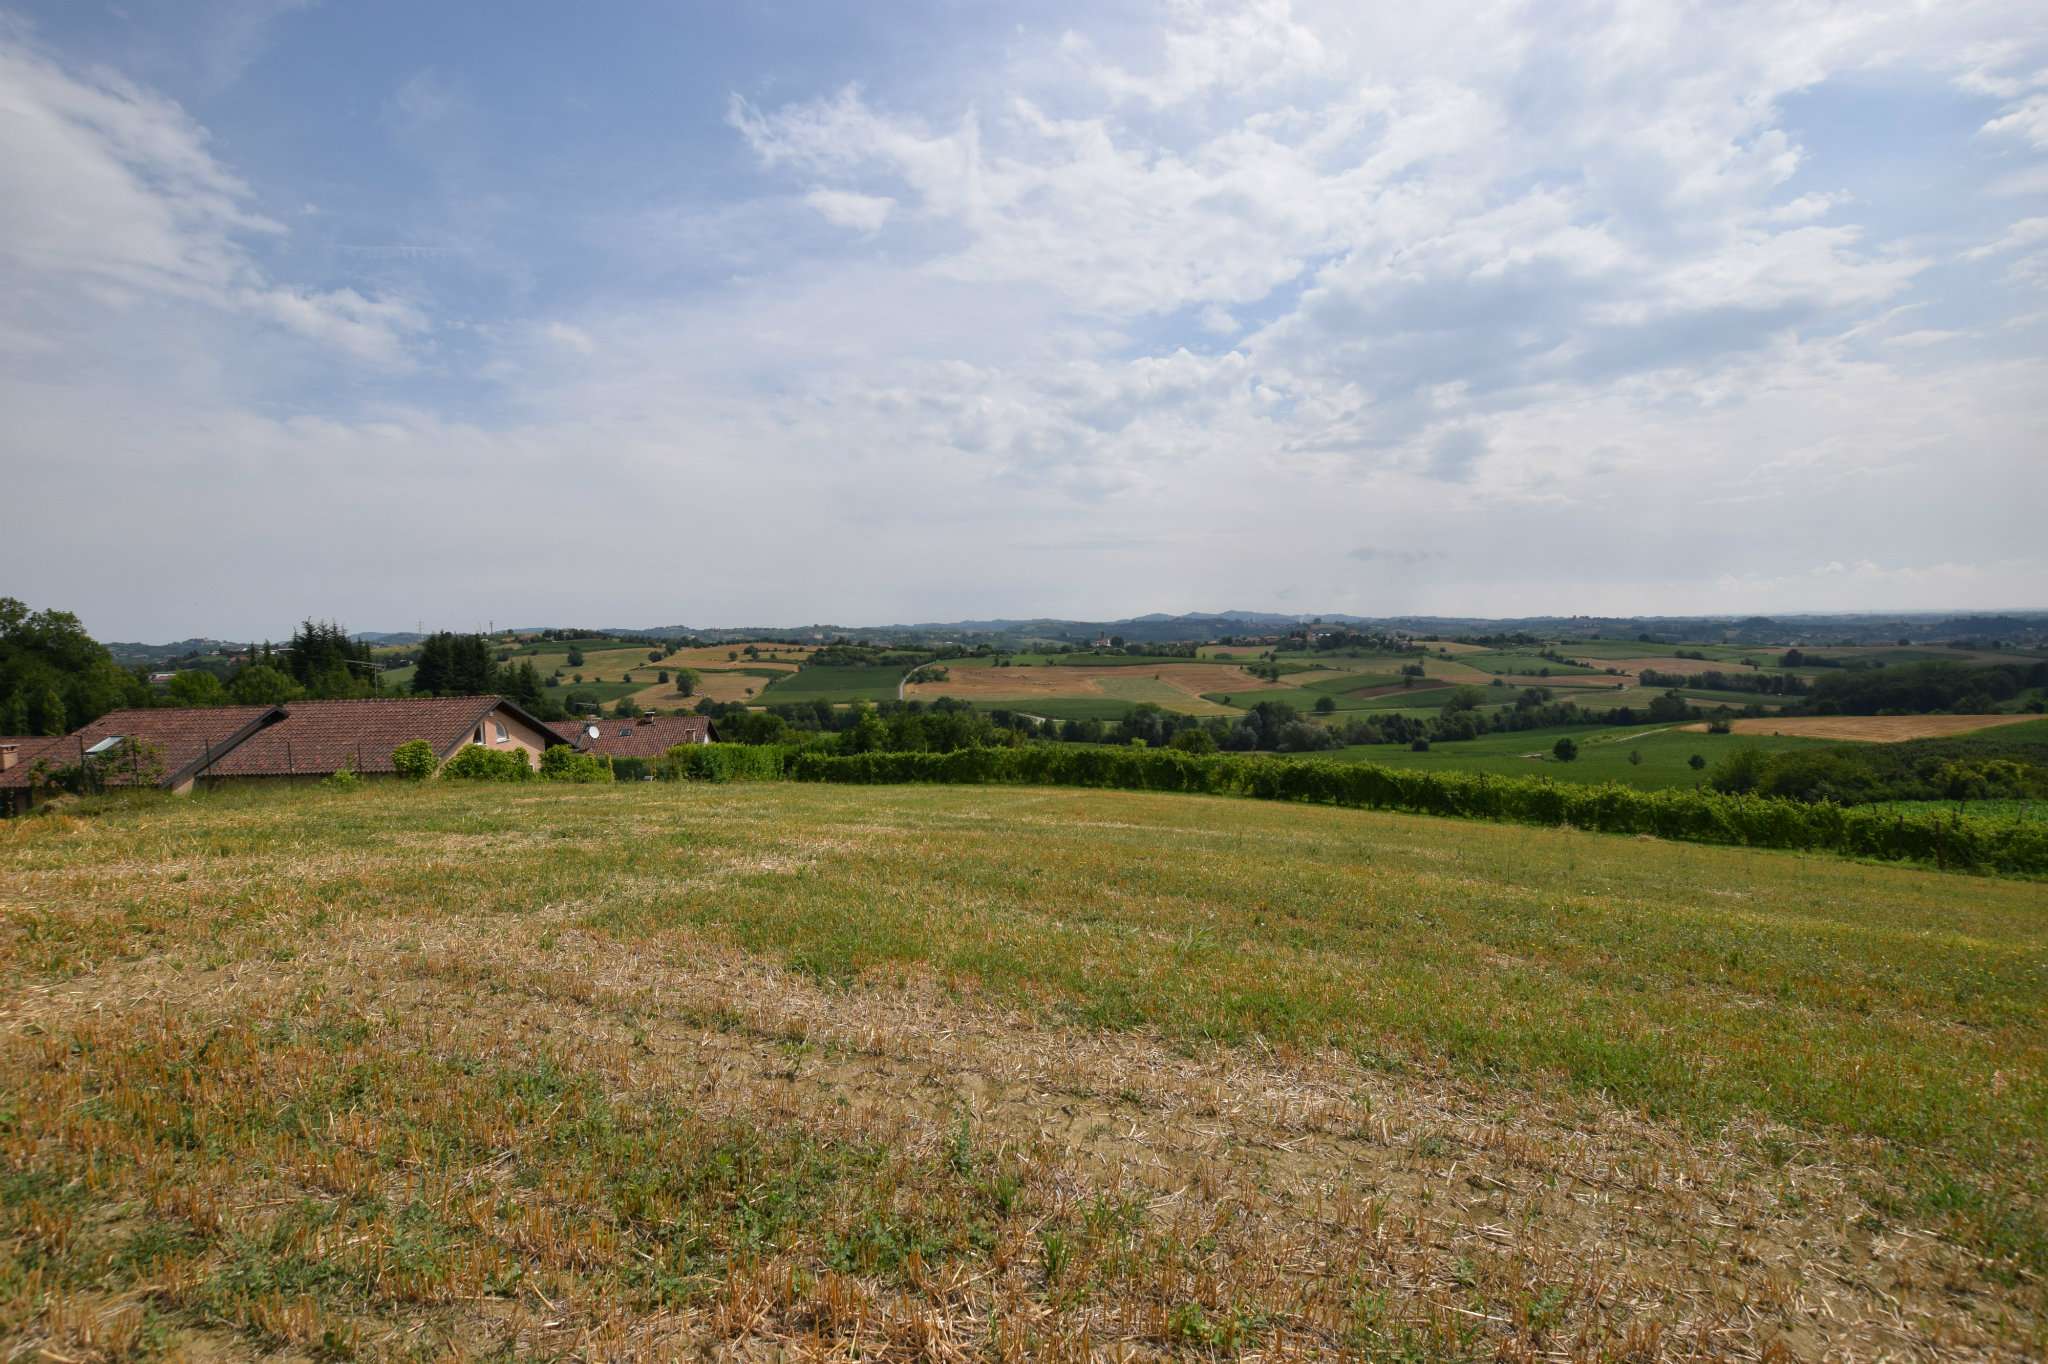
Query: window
x=479 y=735
x=498 y=727
x=106 y=745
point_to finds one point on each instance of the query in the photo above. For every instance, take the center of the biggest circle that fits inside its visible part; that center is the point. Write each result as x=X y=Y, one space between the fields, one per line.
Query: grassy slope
x=1851 y=1003
x=836 y=683
x=1603 y=754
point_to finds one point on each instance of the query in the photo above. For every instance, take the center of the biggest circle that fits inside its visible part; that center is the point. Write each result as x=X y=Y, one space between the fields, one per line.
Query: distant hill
x=1928 y=627
x=128 y=653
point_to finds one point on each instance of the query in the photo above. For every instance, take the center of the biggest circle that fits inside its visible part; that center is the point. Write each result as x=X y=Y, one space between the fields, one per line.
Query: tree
x=46 y=713
x=868 y=734
x=45 y=653
x=1325 y=704
x=1696 y=762
x=626 y=709
x=456 y=665
x=661 y=675
x=1464 y=698
x=1565 y=750
x=259 y=684
x=575 y=658
x=1635 y=757
x=1197 y=740
x=686 y=681
x=197 y=689
x=322 y=658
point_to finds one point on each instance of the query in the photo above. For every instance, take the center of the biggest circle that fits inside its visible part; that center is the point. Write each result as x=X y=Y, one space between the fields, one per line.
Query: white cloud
x=842 y=208
x=2024 y=233
x=2027 y=119
x=570 y=337
x=109 y=186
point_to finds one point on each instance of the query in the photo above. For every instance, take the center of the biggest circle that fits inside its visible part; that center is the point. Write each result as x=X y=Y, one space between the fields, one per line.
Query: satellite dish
x=590 y=731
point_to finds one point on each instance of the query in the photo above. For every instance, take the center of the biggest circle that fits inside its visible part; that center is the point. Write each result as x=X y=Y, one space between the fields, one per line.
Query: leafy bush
x=563 y=763
x=477 y=763
x=723 y=762
x=629 y=769
x=342 y=779
x=413 y=760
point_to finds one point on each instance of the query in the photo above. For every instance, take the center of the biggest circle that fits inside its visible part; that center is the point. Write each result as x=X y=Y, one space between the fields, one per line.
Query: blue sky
x=778 y=313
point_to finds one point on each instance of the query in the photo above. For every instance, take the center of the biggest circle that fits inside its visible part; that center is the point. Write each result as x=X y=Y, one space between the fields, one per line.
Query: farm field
x=724 y=684
x=1873 y=728
x=1603 y=754
x=1176 y=686
x=783 y=657
x=837 y=683
x=782 y=1069
x=1517 y=664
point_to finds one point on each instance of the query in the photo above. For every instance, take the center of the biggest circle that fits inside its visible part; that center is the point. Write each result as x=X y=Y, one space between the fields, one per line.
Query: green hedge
x=723 y=762
x=1946 y=840
x=477 y=763
x=563 y=763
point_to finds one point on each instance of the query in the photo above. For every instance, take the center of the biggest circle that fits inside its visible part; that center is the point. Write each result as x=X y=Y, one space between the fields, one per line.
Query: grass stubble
x=798 y=1072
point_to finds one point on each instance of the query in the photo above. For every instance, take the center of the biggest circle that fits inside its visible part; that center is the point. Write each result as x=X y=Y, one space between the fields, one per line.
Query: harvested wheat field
x=1876 y=729
x=718 y=686
x=794 y=1072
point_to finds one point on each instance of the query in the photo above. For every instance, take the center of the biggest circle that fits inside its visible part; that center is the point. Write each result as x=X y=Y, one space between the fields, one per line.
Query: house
x=161 y=747
x=645 y=737
x=19 y=754
x=317 y=738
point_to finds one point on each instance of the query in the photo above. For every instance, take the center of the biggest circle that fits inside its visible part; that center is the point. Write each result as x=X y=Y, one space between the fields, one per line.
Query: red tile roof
x=318 y=737
x=183 y=739
x=648 y=737
x=27 y=748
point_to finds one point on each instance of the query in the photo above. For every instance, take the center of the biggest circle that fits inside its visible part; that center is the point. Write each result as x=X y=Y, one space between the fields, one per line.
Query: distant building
x=168 y=748
x=174 y=748
x=646 y=737
x=317 y=738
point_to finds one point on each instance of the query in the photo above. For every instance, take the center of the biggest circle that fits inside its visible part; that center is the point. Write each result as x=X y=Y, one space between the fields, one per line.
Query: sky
x=775 y=313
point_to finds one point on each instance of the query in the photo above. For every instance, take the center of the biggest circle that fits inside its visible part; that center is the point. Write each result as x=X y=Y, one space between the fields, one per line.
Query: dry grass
x=1876 y=729
x=718 y=686
x=509 y=1074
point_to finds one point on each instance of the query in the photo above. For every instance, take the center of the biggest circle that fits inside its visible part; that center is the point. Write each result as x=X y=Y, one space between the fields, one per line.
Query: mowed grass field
x=792 y=1071
x=1604 y=751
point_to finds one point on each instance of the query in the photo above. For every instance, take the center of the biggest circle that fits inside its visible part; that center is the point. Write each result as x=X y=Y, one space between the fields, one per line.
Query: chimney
x=8 y=753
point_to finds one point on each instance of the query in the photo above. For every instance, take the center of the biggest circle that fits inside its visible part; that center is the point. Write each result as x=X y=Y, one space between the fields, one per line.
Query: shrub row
x=723 y=762
x=477 y=763
x=1946 y=840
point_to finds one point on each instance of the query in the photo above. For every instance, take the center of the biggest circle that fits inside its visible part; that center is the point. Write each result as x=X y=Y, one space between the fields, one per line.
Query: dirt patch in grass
x=1876 y=729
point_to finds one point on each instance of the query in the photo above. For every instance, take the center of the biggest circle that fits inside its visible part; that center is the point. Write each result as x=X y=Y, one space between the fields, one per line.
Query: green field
x=837 y=683
x=495 y=1071
x=1106 y=708
x=1603 y=754
x=1518 y=664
